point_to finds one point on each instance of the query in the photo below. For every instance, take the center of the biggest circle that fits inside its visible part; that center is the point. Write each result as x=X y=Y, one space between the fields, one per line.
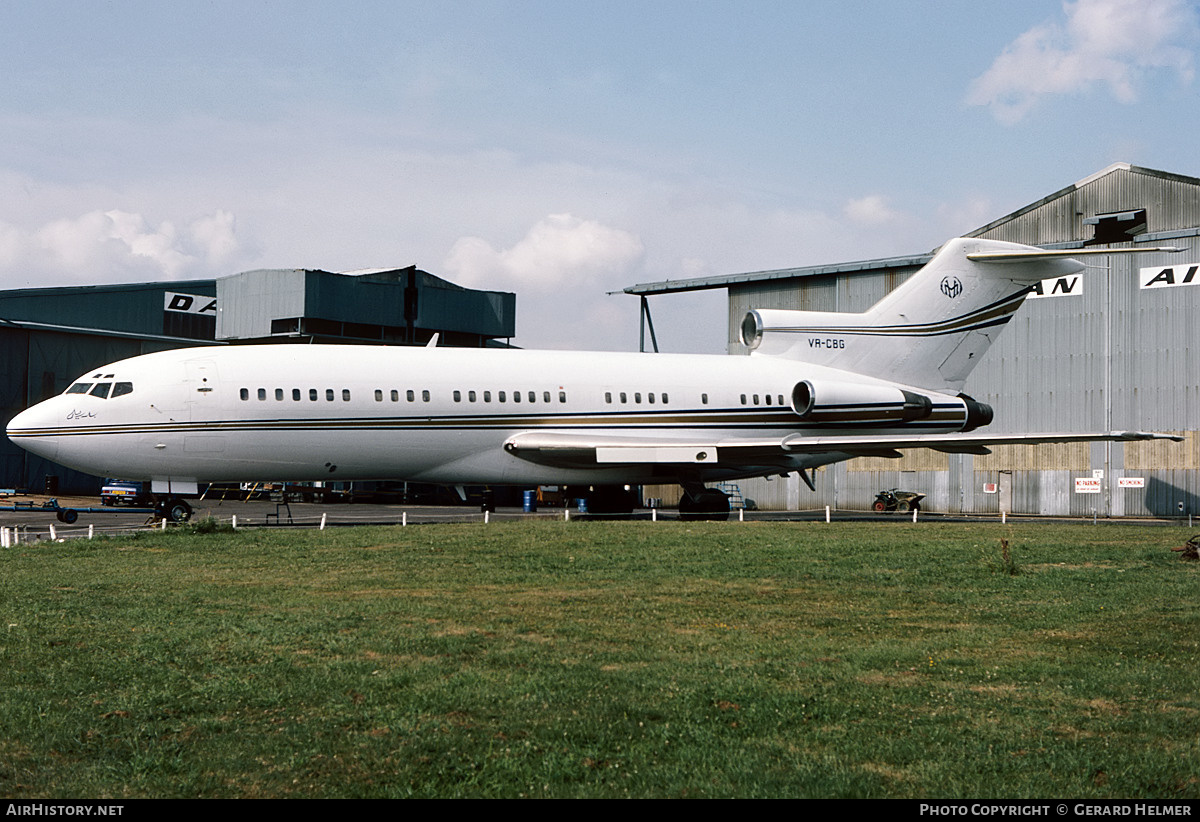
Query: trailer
x=175 y=510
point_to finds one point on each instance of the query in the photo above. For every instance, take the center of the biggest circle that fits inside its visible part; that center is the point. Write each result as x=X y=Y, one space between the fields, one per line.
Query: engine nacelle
x=848 y=402
x=979 y=414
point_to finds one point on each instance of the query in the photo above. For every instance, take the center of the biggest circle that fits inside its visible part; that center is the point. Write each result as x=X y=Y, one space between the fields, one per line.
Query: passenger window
x=545 y=396
x=262 y=394
x=664 y=398
x=624 y=398
x=378 y=395
x=743 y=399
x=395 y=395
x=704 y=399
x=312 y=395
x=345 y=395
x=83 y=388
x=458 y=396
x=410 y=396
x=279 y=395
x=487 y=396
x=650 y=397
x=562 y=396
x=470 y=396
x=756 y=399
x=120 y=389
x=516 y=396
x=328 y=395
x=501 y=395
x=295 y=395
x=637 y=397
x=608 y=397
x=244 y=393
x=533 y=396
x=425 y=396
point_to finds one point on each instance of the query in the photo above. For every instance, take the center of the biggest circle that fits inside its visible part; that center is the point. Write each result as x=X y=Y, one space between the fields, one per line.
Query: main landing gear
x=700 y=503
x=610 y=499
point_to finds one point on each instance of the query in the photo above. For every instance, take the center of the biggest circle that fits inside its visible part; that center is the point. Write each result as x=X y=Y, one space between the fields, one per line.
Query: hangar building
x=49 y=336
x=1115 y=348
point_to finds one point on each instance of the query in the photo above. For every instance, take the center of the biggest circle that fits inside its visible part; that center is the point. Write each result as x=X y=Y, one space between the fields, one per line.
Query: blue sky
x=562 y=149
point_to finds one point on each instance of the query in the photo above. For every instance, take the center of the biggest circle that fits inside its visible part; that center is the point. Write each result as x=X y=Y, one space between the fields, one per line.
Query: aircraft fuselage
x=439 y=415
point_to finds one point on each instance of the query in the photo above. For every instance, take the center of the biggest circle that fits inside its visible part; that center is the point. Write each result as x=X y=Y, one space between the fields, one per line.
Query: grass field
x=553 y=659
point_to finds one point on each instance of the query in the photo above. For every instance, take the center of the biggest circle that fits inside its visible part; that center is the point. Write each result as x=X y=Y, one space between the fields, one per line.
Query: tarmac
x=37 y=519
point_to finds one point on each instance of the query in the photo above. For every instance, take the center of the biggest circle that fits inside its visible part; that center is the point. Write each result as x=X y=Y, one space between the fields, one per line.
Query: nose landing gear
x=173 y=509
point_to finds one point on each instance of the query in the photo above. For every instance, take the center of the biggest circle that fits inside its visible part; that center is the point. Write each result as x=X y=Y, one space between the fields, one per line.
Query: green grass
x=604 y=659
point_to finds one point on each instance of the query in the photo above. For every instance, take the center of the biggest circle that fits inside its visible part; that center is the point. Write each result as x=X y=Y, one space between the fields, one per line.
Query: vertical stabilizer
x=932 y=330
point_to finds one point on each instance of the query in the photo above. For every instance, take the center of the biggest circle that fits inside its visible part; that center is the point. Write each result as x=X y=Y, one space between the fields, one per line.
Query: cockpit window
x=79 y=388
x=101 y=390
x=121 y=388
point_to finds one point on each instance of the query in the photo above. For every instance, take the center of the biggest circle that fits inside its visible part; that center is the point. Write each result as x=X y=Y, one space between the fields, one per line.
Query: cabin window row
x=394 y=395
x=505 y=396
x=623 y=397
x=753 y=399
x=297 y=394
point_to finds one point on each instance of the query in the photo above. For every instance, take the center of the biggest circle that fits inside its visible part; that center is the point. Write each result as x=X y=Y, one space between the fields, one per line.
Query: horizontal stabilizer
x=1050 y=254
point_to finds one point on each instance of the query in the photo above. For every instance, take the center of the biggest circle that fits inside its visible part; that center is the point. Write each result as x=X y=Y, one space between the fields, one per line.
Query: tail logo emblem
x=951 y=287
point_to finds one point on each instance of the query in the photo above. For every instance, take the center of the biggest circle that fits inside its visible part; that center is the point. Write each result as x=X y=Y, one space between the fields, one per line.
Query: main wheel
x=607 y=499
x=709 y=504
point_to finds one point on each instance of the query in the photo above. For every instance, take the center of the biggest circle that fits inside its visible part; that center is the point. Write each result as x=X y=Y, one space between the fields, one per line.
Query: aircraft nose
x=32 y=430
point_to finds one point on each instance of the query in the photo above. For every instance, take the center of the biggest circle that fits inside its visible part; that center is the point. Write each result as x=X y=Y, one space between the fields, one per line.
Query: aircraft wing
x=576 y=450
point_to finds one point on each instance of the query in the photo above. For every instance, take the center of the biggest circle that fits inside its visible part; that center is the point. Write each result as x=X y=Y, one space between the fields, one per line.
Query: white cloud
x=559 y=250
x=1111 y=43
x=115 y=245
x=214 y=238
x=870 y=210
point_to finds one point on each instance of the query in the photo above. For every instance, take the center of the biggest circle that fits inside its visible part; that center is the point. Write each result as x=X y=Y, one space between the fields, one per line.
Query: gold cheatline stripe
x=751 y=416
x=966 y=322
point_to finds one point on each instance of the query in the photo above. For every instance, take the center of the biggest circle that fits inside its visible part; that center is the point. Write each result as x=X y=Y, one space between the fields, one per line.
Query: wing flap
x=972 y=443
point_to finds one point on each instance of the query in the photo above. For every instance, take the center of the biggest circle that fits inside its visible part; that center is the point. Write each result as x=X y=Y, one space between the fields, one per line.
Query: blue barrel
x=530 y=502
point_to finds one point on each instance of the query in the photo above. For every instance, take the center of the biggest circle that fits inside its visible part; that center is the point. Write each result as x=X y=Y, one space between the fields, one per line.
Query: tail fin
x=932 y=330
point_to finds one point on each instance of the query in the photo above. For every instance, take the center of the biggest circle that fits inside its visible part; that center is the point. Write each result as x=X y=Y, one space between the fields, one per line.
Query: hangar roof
x=1119 y=193
x=726 y=280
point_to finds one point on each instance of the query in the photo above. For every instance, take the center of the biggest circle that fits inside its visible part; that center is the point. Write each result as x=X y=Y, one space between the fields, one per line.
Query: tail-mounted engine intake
x=979 y=414
x=845 y=402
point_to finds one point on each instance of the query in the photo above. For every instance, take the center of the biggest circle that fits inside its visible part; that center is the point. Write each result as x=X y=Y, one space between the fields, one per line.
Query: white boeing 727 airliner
x=818 y=387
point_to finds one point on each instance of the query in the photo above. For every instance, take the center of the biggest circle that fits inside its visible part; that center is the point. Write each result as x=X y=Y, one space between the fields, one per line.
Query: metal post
x=646 y=322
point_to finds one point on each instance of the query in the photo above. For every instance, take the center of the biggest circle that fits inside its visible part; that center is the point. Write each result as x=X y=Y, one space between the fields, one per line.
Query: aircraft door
x=200 y=388
x=202 y=398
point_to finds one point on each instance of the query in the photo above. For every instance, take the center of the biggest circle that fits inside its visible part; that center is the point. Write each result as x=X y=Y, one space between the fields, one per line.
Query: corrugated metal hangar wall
x=1114 y=348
